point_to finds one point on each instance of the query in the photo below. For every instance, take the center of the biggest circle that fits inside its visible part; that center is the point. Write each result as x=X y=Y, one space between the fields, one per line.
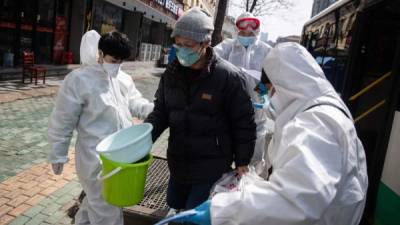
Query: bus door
x=373 y=90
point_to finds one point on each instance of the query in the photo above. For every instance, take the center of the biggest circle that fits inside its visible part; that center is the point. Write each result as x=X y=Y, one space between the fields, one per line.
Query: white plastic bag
x=227 y=183
x=232 y=197
x=230 y=182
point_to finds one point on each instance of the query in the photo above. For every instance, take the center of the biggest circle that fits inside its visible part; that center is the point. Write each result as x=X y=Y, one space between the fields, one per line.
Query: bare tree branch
x=264 y=7
x=253 y=5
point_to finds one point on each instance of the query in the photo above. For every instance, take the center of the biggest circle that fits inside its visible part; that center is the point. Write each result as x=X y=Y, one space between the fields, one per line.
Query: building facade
x=320 y=5
x=49 y=28
x=207 y=5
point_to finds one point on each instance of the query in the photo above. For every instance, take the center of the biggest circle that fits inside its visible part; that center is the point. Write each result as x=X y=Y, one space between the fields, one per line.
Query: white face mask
x=111 y=68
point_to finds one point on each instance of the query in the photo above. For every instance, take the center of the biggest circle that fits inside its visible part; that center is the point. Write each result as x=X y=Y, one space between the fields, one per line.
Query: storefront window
x=7 y=8
x=27 y=20
x=146 y=25
x=61 y=30
x=27 y=11
x=107 y=17
x=44 y=31
x=40 y=26
x=7 y=31
x=45 y=16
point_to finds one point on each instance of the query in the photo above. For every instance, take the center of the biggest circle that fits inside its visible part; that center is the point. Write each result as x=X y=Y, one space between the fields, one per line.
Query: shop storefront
x=106 y=17
x=145 y=22
x=50 y=28
x=39 y=26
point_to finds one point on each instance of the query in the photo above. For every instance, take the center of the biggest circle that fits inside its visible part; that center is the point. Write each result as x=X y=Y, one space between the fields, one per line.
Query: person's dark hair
x=115 y=44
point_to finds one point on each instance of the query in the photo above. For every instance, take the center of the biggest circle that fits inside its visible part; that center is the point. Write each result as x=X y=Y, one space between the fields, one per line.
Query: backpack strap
x=328 y=104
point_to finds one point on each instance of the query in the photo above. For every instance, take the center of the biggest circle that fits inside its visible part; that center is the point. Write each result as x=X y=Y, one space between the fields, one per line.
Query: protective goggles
x=248 y=24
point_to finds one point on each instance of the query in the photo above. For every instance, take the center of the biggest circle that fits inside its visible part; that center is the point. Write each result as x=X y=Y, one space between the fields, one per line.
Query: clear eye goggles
x=248 y=24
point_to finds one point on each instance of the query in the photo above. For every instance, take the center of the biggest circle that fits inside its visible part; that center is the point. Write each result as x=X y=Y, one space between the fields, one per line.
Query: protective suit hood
x=290 y=63
x=319 y=173
x=89 y=48
x=250 y=16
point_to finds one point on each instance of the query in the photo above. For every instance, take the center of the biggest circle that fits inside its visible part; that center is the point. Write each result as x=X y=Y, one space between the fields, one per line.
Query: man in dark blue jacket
x=203 y=100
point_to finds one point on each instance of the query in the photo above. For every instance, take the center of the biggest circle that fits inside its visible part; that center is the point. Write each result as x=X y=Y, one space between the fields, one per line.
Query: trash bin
x=123 y=183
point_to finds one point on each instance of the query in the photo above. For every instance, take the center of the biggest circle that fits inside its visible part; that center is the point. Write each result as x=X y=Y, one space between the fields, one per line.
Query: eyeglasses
x=248 y=24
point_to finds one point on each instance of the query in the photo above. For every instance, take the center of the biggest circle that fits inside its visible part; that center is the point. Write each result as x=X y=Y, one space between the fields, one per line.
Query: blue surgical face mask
x=186 y=56
x=246 y=41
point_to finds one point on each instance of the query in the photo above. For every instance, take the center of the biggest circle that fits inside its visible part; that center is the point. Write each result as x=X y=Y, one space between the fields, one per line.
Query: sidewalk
x=37 y=196
x=15 y=73
x=29 y=192
x=11 y=90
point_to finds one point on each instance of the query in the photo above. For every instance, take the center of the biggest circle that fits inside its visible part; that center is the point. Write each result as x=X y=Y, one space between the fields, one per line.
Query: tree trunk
x=219 y=22
x=253 y=6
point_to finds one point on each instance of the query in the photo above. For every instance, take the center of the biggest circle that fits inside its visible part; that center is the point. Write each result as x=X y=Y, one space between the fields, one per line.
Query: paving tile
x=33 y=211
x=15 y=193
x=48 y=190
x=17 y=201
x=33 y=191
x=3 y=200
x=65 y=199
x=55 y=217
x=50 y=209
x=20 y=220
x=19 y=210
x=35 y=199
x=37 y=219
x=6 y=219
x=4 y=209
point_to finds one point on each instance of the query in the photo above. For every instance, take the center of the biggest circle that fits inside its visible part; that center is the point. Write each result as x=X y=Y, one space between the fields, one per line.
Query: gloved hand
x=57 y=168
x=202 y=216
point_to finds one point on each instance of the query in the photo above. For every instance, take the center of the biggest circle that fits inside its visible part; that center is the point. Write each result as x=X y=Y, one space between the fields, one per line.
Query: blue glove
x=202 y=216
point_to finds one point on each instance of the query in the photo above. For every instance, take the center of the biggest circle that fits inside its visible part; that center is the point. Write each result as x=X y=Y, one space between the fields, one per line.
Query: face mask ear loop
x=101 y=57
x=201 y=49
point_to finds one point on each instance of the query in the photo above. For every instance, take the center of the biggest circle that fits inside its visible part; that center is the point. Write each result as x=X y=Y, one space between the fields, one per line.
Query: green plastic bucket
x=123 y=184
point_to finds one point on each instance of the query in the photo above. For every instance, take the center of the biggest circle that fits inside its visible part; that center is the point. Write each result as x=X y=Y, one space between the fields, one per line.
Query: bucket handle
x=110 y=174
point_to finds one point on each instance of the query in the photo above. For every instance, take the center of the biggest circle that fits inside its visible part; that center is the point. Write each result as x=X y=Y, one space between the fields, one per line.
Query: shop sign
x=171 y=6
x=160 y=2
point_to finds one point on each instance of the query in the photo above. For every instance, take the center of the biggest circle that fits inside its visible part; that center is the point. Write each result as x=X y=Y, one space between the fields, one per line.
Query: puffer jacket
x=211 y=120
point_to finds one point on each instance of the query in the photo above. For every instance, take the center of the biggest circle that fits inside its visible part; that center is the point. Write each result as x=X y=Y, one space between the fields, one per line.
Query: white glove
x=57 y=168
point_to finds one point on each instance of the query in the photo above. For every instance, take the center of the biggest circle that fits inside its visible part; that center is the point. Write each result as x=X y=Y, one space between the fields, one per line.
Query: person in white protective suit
x=319 y=174
x=246 y=51
x=96 y=100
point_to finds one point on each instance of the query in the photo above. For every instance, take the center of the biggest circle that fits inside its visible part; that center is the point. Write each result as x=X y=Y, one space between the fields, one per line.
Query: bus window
x=334 y=70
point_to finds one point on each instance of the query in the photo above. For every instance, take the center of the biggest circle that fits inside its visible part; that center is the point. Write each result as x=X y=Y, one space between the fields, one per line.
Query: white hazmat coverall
x=319 y=172
x=250 y=58
x=96 y=104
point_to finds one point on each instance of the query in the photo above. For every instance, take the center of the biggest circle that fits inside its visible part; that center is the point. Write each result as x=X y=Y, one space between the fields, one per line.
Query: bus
x=357 y=44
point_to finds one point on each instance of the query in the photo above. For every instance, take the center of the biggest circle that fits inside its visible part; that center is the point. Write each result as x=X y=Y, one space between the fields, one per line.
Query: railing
x=369 y=87
x=365 y=90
